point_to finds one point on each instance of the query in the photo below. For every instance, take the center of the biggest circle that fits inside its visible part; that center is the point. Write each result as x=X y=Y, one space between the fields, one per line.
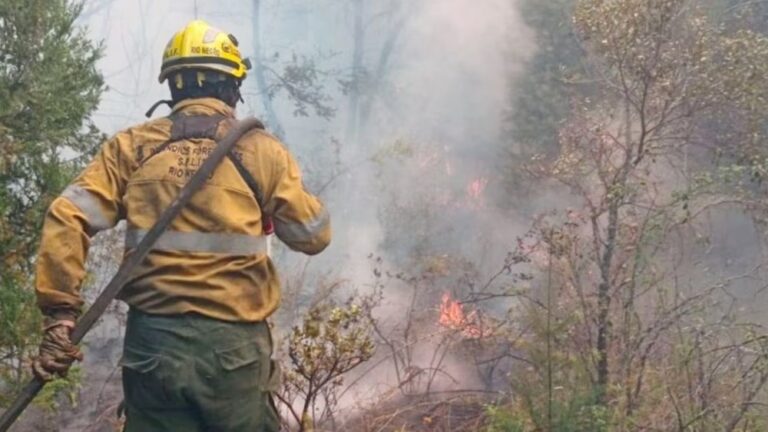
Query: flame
x=451 y=312
x=476 y=187
x=453 y=317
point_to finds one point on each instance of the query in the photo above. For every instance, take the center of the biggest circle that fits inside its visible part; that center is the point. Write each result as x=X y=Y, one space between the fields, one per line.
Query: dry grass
x=438 y=412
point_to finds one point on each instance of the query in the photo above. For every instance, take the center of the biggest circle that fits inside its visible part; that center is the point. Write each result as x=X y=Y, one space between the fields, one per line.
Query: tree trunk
x=617 y=187
x=604 y=306
x=380 y=72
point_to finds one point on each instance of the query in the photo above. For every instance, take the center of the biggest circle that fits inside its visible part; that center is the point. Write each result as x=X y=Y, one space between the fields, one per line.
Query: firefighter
x=197 y=349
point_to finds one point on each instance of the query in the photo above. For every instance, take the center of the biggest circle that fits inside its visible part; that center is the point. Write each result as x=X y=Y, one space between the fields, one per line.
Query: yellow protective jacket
x=212 y=260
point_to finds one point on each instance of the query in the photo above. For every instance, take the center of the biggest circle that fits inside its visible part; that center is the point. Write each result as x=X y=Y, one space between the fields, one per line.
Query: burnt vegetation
x=593 y=262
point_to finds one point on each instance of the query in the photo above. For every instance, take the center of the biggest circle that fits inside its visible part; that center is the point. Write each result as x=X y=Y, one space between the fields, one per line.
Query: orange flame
x=452 y=317
x=476 y=187
x=451 y=312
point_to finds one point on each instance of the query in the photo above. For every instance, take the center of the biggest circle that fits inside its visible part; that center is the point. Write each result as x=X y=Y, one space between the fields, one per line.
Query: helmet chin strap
x=154 y=106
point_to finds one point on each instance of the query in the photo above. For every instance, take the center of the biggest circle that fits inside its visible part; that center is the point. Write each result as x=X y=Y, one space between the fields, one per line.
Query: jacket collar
x=203 y=106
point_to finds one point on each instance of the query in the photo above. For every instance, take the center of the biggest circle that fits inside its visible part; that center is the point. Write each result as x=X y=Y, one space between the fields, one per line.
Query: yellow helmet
x=201 y=46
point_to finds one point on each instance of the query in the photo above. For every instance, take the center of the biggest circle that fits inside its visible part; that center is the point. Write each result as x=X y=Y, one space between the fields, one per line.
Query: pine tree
x=49 y=88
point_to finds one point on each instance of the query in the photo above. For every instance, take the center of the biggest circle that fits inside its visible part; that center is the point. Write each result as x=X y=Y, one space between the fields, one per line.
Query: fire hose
x=135 y=258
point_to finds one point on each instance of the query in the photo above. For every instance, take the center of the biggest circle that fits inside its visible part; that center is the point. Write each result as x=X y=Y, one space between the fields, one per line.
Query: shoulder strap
x=195 y=126
x=186 y=127
x=248 y=178
x=246 y=175
x=200 y=126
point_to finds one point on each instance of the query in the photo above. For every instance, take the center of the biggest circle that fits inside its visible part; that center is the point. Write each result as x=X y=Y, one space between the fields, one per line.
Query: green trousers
x=195 y=374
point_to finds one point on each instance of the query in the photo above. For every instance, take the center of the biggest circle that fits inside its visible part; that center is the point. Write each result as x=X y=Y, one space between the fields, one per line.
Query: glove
x=57 y=352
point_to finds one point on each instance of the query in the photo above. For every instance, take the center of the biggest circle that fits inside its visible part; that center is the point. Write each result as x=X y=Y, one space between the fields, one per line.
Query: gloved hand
x=57 y=352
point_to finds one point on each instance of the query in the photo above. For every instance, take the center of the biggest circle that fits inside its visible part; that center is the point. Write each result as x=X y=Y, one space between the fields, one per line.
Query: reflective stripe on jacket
x=212 y=260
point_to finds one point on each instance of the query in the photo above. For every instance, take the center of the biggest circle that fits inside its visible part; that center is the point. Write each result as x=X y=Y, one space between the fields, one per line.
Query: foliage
x=741 y=14
x=332 y=340
x=503 y=420
x=48 y=398
x=541 y=95
x=302 y=81
x=49 y=87
x=576 y=414
x=423 y=219
x=19 y=327
x=622 y=331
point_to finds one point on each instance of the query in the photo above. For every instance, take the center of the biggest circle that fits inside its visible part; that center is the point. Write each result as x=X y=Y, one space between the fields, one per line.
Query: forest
x=548 y=215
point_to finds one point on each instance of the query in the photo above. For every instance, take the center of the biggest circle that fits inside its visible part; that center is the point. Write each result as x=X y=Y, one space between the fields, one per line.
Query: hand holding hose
x=57 y=352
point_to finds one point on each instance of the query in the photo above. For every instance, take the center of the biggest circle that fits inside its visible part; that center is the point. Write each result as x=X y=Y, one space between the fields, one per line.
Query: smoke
x=443 y=82
x=445 y=93
x=410 y=159
x=418 y=150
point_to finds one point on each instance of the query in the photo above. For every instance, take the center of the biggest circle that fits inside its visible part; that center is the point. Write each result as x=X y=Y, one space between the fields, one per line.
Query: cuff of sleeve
x=61 y=315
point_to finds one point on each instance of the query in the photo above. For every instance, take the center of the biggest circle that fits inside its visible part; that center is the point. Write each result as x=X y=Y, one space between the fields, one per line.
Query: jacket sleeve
x=91 y=203
x=301 y=221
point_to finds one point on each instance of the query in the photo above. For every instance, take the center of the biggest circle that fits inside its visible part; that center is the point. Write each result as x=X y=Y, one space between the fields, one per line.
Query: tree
x=260 y=77
x=49 y=87
x=370 y=68
x=300 y=77
x=664 y=69
x=630 y=329
x=540 y=97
